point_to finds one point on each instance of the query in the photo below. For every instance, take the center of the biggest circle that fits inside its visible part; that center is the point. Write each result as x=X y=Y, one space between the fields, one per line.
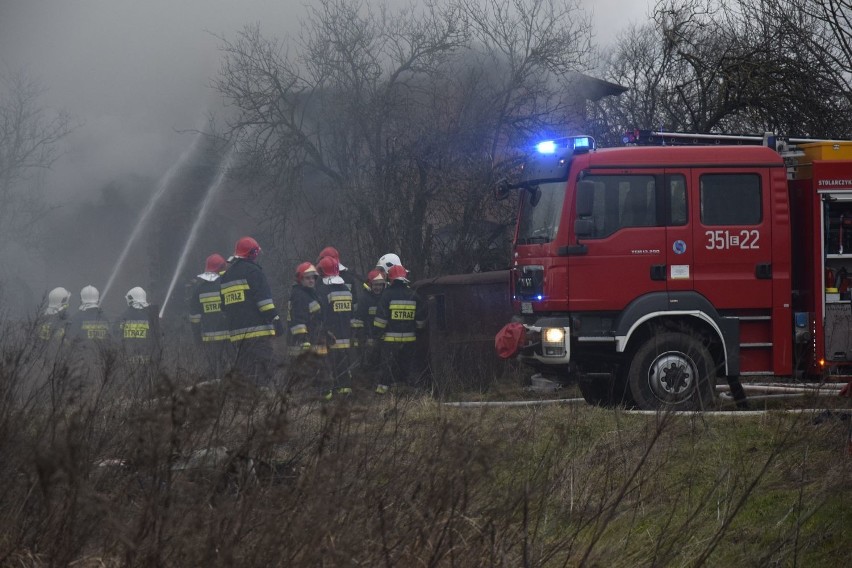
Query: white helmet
x=89 y=297
x=388 y=260
x=57 y=300
x=137 y=298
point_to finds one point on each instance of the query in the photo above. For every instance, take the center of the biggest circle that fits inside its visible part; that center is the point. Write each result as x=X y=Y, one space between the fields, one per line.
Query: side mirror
x=502 y=190
x=584 y=227
x=535 y=195
x=585 y=198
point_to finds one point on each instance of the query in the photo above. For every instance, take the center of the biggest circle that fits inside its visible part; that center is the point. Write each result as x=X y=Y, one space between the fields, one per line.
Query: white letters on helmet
x=89 y=297
x=137 y=298
x=57 y=300
x=388 y=260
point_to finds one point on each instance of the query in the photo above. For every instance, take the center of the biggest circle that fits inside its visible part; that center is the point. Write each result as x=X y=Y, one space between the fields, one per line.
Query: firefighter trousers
x=340 y=367
x=399 y=363
x=254 y=360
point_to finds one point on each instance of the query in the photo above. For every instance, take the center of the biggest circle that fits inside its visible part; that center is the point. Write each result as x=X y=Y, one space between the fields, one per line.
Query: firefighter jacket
x=304 y=321
x=336 y=302
x=89 y=325
x=205 y=309
x=401 y=313
x=247 y=302
x=53 y=326
x=353 y=282
x=365 y=313
x=138 y=333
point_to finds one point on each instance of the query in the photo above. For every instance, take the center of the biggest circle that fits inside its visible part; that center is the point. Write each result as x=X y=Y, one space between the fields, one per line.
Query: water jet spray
x=165 y=183
x=212 y=191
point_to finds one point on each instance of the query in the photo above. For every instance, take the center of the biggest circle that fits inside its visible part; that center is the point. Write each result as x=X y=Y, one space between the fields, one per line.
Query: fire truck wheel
x=672 y=371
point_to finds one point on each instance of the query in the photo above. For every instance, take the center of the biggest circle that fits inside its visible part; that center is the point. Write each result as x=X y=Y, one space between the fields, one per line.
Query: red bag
x=509 y=340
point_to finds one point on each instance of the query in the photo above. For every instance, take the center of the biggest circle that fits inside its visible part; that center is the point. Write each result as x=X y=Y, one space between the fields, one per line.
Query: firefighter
x=253 y=320
x=386 y=261
x=55 y=319
x=336 y=303
x=352 y=280
x=89 y=324
x=400 y=315
x=364 y=330
x=304 y=313
x=208 y=321
x=138 y=328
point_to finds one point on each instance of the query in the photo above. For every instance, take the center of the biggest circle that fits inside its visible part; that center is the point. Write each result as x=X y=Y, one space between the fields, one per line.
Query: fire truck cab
x=649 y=272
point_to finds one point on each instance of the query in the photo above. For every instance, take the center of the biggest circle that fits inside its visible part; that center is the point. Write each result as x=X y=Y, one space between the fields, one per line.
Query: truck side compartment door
x=732 y=268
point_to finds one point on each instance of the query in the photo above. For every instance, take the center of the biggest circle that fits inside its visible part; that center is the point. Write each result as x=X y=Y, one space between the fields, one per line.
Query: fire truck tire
x=672 y=371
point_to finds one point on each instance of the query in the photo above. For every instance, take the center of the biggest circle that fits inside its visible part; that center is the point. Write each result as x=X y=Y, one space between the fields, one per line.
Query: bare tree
x=733 y=66
x=640 y=61
x=804 y=81
x=328 y=120
x=379 y=126
x=820 y=28
x=522 y=63
x=719 y=63
x=835 y=49
x=29 y=138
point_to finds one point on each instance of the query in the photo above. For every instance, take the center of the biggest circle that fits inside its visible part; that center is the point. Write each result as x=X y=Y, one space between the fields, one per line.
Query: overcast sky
x=134 y=72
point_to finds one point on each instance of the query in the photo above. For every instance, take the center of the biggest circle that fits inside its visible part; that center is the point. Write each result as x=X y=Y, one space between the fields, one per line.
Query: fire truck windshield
x=541 y=209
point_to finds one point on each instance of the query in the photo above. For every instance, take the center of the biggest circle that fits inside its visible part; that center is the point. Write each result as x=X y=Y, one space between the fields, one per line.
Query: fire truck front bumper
x=548 y=342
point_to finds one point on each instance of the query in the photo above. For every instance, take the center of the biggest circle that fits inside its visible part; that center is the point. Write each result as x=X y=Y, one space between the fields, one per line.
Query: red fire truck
x=649 y=272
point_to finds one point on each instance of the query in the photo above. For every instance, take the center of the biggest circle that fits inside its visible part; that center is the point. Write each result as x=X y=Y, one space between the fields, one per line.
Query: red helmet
x=305 y=269
x=328 y=266
x=215 y=263
x=247 y=248
x=329 y=251
x=376 y=277
x=398 y=272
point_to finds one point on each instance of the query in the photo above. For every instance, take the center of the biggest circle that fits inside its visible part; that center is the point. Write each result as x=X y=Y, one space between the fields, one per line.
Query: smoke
x=136 y=76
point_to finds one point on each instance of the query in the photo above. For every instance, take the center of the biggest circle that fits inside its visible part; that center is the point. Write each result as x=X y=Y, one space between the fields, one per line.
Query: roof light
x=575 y=144
x=546 y=147
x=582 y=142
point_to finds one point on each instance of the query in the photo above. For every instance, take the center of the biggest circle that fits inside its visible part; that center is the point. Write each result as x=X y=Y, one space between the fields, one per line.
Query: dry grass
x=100 y=467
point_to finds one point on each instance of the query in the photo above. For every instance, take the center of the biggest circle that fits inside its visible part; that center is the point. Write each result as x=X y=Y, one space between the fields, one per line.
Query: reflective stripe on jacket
x=400 y=314
x=89 y=324
x=205 y=309
x=304 y=319
x=336 y=302
x=137 y=331
x=365 y=314
x=247 y=301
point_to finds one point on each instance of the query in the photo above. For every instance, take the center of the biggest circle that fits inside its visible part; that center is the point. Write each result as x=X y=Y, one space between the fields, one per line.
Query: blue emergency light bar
x=546 y=147
x=573 y=143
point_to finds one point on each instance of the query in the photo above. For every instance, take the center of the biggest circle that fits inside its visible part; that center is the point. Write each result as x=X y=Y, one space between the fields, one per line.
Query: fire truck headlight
x=553 y=341
x=554 y=335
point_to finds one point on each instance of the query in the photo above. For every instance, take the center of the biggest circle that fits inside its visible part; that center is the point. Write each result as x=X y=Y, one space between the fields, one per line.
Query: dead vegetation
x=103 y=467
